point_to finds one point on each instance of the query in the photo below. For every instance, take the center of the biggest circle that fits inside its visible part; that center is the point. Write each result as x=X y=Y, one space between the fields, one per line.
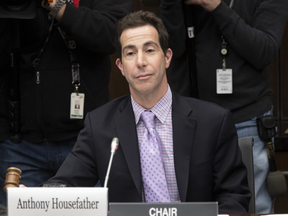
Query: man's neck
x=147 y=101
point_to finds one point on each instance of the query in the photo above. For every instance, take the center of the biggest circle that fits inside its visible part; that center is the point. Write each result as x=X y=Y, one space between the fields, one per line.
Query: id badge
x=77 y=106
x=224 y=81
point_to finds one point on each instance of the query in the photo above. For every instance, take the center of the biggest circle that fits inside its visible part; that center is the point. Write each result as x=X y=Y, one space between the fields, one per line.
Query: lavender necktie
x=153 y=175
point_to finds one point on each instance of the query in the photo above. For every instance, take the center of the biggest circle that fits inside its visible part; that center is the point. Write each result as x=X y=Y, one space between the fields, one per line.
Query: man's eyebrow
x=128 y=47
x=148 y=43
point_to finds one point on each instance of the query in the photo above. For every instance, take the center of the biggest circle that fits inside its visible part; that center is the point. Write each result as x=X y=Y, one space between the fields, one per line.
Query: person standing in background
x=235 y=41
x=64 y=57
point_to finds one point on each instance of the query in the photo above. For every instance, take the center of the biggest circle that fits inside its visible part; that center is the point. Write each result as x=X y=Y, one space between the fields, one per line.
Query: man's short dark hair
x=139 y=19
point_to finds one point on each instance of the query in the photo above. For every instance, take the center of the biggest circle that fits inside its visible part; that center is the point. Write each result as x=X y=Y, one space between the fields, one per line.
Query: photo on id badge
x=77 y=106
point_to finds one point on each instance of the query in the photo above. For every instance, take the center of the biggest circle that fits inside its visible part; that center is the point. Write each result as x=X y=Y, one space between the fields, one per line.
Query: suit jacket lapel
x=183 y=135
x=127 y=134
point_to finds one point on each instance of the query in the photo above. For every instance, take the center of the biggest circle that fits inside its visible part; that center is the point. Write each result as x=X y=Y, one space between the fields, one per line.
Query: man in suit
x=200 y=153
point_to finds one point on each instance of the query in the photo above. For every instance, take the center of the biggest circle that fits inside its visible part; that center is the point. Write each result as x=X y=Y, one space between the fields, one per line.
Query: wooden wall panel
x=284 y=69
x=279 y=84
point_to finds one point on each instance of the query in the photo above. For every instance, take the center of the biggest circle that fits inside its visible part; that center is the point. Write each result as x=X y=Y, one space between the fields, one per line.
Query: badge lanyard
x=77 y=99
x=190 y=43
x=224 y=78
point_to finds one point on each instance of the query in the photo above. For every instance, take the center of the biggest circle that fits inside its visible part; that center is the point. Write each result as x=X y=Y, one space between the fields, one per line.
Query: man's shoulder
x=200 y=105
x=200 y=110
x=112 y=106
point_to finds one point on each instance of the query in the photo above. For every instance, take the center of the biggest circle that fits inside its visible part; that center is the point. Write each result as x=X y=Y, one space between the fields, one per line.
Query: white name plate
x=66 y=201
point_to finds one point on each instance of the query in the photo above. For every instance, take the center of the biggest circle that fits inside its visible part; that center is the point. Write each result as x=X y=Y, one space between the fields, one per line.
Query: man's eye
x=130 y=53
x=150 y=50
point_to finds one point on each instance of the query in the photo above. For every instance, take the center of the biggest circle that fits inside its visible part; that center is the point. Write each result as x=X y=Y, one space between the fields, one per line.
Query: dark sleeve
x=230 y=175
x=94 y=27
x=258 y=41
x=4 y=42
x=79 y=168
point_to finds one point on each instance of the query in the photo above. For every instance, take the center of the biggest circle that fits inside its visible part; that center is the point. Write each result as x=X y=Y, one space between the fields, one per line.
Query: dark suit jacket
x=208 y=162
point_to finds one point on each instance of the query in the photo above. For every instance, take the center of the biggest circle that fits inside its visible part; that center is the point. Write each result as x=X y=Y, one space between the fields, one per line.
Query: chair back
x=246 y=146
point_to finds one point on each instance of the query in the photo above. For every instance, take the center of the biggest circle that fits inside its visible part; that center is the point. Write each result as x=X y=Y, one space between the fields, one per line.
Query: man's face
x=143 y=61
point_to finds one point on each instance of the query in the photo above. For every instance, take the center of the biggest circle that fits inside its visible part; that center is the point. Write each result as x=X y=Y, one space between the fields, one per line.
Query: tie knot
x=148 y=118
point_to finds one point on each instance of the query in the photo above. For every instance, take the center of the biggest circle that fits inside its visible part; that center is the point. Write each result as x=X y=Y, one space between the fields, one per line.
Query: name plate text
x=58 y=201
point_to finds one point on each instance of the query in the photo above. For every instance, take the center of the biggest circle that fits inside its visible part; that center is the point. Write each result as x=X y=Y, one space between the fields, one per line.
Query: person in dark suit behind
x=200 y=151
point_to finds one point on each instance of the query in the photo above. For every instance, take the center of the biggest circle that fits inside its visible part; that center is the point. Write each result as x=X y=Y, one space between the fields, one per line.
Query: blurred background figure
x=222 y=50
x=60 y=53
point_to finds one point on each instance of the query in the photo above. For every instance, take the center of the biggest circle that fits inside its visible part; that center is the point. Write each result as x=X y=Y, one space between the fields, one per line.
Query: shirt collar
x=160 y=109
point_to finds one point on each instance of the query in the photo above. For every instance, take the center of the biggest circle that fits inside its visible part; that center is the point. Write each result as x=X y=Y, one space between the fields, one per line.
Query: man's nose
x=141 y=60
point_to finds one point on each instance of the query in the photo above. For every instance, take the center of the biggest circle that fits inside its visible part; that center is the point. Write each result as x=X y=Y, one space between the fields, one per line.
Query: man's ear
x=119 y=65
x=168 y=57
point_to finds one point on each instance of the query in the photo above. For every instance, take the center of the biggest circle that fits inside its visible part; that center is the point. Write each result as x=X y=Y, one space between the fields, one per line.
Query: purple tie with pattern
x=153 y=175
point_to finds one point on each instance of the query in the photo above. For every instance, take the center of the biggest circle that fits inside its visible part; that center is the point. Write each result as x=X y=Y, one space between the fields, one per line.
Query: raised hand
x=208 y=5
